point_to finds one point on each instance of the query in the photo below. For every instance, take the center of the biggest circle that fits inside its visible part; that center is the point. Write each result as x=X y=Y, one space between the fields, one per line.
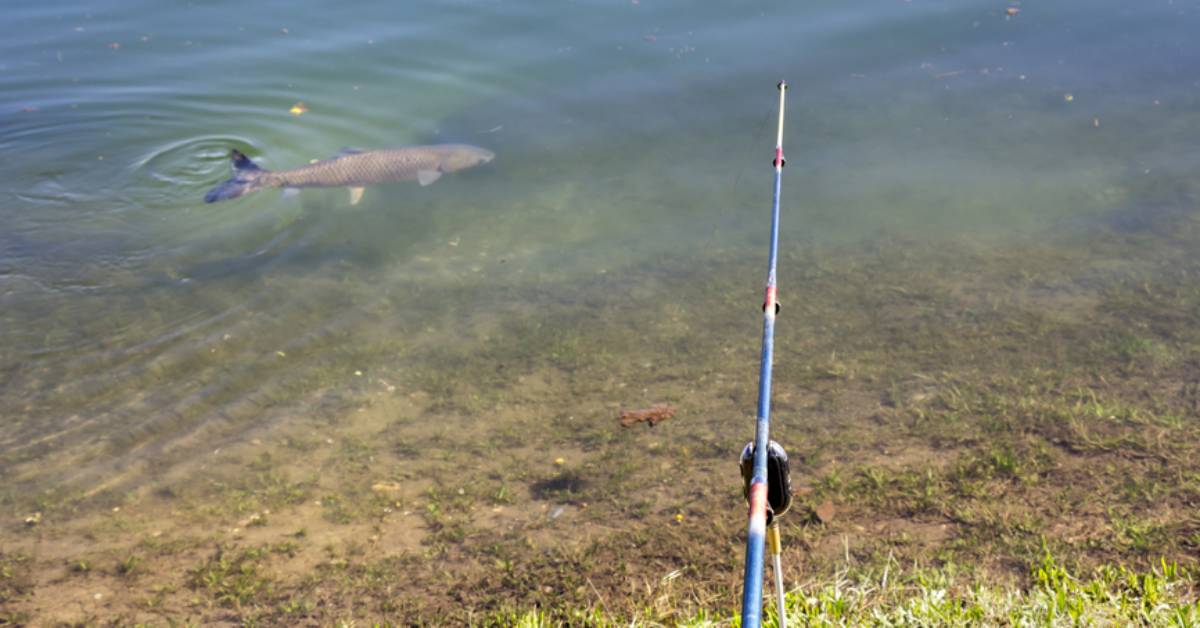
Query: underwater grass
x=971 y=408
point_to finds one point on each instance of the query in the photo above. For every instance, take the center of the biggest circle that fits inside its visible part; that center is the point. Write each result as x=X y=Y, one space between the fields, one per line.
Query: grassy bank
x=1165 y=596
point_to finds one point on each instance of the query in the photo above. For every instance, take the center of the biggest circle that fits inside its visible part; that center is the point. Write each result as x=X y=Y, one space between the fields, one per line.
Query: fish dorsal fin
x=242 y=163
x=355 y=195
x=349 y=150
x=425 y=177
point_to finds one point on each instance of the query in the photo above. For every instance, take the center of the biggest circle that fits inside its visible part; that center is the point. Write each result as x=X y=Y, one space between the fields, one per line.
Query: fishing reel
x=779 y=478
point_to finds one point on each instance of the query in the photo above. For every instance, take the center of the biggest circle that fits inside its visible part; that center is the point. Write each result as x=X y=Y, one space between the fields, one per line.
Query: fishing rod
x=764 y=462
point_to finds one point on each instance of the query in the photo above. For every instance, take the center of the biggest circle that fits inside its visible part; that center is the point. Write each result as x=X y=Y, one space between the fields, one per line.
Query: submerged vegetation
x=1004 y=432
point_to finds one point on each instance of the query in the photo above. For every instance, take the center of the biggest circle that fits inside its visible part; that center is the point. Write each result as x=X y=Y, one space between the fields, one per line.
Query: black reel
x=779 y=478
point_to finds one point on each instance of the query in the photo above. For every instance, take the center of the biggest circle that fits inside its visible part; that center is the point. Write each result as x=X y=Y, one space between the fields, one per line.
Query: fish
x=352 y=168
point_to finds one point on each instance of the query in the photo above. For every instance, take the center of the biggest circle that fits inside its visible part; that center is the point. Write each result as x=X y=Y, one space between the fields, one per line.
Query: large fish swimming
x=353 y=169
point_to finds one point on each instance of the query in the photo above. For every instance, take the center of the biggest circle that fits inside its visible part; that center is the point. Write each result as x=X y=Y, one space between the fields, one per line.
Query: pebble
x=826 y=512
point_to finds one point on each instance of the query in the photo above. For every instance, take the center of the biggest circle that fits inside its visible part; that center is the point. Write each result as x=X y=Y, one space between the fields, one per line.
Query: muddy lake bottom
x=968 y=402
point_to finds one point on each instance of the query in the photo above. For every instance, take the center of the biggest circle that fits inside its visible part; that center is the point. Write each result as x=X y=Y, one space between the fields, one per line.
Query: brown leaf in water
x=653 y=415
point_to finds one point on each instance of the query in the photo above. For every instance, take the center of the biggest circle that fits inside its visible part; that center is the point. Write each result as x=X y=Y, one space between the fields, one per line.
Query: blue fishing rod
x=764 y=462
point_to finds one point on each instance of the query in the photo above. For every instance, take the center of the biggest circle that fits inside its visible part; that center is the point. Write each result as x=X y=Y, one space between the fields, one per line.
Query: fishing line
x=718 y=231
x=766 y=118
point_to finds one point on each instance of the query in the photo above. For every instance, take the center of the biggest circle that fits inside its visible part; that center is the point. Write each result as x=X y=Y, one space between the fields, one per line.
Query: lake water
x=141 y=329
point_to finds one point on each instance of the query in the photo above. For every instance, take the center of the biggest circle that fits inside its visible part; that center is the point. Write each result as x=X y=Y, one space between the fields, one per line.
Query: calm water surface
x=136 y=322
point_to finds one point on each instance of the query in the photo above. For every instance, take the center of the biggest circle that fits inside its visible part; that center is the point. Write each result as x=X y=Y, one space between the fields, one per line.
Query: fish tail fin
x=245 y=179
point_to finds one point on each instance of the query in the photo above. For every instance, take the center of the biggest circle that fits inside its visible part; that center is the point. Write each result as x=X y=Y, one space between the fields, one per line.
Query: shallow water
x=140 y=326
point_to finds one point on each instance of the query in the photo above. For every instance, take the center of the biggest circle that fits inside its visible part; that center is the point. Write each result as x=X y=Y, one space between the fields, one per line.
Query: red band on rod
x=758 y=500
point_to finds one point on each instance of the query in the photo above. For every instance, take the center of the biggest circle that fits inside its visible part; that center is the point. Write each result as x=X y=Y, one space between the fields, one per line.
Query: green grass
x=1052 y=596
x=1165 y=596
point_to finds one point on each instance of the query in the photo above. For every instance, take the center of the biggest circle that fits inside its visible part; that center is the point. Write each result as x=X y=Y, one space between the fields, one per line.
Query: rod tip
x=782 y=85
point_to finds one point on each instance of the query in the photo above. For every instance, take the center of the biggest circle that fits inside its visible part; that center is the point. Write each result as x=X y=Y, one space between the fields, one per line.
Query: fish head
x=460 y=157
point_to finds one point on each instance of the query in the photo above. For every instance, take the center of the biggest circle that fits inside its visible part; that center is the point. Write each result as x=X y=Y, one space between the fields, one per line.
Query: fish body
x=353 y=169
